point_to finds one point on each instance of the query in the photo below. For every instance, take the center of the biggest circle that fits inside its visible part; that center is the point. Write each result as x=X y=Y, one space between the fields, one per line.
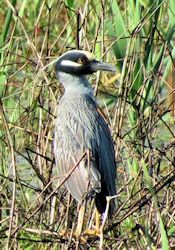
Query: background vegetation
x=139 y=102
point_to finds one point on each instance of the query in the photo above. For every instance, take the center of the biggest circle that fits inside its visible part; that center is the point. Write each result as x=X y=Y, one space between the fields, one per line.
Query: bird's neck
x=75 y=85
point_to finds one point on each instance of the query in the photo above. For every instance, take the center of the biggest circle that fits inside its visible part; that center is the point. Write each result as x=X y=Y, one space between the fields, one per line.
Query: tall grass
x=137 y=37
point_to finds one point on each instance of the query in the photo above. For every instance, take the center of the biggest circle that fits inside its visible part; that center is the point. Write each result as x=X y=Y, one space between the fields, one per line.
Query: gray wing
x=73 y=136
x=80 y=127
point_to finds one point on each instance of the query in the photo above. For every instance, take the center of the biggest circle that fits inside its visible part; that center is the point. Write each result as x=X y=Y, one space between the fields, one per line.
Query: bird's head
x=74 y=65
x=79 y=62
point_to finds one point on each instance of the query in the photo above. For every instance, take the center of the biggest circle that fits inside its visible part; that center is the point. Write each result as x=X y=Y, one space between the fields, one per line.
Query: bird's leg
x=97 y=221
x=65 y=231
x=96 y=230
x=81 y=213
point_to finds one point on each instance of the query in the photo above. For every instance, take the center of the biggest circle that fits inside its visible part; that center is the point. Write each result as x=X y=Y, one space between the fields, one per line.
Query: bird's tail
x=101 y=203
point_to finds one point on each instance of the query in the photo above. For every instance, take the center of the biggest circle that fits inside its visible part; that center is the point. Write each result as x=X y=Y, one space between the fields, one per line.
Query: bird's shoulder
x=82 y=110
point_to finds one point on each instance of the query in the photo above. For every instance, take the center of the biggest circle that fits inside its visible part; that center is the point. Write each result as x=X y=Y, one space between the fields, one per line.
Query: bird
x=80 y=129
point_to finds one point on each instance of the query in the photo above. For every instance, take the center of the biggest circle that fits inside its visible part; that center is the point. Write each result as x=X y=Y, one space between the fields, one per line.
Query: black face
x=84 y=64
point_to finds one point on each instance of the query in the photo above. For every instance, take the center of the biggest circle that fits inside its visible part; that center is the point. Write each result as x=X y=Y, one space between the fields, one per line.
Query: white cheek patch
x=69 y=63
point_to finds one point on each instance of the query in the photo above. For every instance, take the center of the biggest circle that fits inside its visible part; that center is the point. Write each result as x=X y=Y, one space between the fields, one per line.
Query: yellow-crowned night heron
x=80 y=128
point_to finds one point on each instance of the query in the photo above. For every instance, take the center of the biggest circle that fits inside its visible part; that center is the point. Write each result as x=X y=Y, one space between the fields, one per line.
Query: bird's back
x=80 y=128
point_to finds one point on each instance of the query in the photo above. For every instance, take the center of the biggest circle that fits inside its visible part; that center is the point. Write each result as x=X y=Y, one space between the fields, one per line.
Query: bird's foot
x=65 y=233
x=93 y=231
